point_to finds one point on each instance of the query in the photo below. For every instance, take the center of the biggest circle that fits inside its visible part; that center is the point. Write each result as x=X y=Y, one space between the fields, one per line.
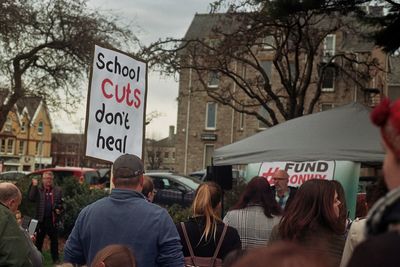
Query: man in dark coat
x=48 y=199
x=283 y=193
x=14 y=248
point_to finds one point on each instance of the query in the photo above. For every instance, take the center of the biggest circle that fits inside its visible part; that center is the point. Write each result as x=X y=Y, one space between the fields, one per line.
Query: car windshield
x=191 y=182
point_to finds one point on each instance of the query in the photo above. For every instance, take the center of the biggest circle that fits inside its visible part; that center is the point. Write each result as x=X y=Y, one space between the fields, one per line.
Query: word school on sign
x=115 y=67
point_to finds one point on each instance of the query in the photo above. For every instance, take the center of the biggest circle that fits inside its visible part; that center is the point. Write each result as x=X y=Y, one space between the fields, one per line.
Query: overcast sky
x=152 y=19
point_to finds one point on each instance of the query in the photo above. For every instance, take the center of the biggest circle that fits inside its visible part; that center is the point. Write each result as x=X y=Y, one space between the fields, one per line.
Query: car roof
x=74 y=169
x=25 y=172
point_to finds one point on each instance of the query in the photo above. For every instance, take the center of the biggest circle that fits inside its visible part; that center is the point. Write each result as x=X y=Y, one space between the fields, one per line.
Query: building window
x=8 y=125
x=208 y=152
x=10 y=146
x=263 y=112
x=326 y=106
x=173 y=155
x=23 y=126
x=268 y=42
x=213 y=79
x=211 y=116
x=329 y=47
x=71 y=148
x=267 y=67
x=22 y=147
x=166 y=155
x=40 y=127
x=38 y=150
x=3 y=146
x=241 y=121
x=328 y=80
x=71 y=162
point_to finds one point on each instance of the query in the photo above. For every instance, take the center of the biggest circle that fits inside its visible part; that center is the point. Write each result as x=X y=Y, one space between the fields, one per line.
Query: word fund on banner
x=116 y=105
x=299 y=172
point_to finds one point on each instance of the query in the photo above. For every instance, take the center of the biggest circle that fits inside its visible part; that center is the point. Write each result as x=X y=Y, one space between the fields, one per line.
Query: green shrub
x=232 y=196
x=76 y=196
x=178 y=213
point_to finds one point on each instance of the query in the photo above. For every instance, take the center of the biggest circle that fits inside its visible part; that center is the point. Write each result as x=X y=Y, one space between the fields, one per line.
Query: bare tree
x=290 y=33
x=154 y=155
x=46 y=48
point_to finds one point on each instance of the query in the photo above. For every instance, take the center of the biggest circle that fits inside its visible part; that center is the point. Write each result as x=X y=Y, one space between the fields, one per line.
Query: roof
x=343 y=133
x=30 y=103
x=166 y=142
x=203 y=24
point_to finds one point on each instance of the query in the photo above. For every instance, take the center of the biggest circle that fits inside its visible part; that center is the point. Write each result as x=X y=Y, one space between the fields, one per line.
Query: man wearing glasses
x=283 y=193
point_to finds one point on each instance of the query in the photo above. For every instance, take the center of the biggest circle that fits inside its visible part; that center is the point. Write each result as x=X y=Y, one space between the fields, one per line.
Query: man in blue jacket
x=125 y=217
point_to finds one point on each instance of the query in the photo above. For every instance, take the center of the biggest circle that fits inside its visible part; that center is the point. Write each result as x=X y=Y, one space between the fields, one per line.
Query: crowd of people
x=268 y=226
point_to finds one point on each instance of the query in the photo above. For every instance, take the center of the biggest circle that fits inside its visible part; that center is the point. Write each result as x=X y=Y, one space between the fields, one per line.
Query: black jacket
x=292 y=193
x=37 y=194
x=195 y=227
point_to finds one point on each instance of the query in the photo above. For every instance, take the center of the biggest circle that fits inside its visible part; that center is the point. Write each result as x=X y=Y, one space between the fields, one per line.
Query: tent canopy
x=343 y=133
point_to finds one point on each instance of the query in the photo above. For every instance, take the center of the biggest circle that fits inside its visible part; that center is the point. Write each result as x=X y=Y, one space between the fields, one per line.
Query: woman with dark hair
x=255 y=214
x=204 y=229
x=312 y=221
x=343 y=218
x=280 y=254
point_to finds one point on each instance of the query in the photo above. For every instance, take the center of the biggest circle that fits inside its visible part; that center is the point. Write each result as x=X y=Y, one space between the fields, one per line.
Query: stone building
x=204 y=125
x=25 y=139
x=68 y=149
x=160 y=155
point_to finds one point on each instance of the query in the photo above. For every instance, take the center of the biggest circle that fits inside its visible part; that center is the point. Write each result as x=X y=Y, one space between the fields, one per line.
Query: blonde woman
x=205 y=227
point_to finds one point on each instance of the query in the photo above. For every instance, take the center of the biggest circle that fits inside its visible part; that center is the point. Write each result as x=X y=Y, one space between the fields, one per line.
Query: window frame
x=207 y=127
x=213 y=76
x=40 y=128
x=332 y=88
x=205 y=154
x=328 y=53
x=22 y=148
x=262 y=111
x=10 y=149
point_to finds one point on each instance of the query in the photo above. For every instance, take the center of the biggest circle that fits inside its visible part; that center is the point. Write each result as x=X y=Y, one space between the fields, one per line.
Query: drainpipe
x=233 y=110
x=187 y=123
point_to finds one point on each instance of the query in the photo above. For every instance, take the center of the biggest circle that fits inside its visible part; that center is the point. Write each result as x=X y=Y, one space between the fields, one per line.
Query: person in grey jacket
x=125 y=217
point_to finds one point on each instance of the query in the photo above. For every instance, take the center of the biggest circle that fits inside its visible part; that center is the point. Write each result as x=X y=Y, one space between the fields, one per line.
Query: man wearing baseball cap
x=125 y=217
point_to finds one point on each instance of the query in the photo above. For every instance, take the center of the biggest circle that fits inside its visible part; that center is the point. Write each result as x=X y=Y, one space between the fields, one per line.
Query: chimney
x=171 y=131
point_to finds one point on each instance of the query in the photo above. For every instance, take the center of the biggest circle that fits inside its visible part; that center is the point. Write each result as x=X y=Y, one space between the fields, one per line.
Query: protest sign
x=116 y=105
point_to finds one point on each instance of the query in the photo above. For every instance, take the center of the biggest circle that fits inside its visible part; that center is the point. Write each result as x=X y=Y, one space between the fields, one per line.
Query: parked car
x=12 y=176
x=202 y=174
x=173 y=188
x=87 y=175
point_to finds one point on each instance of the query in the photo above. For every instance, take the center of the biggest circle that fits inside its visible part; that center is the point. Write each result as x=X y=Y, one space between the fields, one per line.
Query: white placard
x=299 y=172
x=116 y=105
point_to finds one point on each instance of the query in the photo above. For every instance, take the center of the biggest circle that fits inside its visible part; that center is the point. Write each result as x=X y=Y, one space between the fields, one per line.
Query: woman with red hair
x=383 y=222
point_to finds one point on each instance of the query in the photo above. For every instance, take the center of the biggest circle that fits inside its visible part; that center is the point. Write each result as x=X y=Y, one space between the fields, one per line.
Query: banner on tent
x=299 y=172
